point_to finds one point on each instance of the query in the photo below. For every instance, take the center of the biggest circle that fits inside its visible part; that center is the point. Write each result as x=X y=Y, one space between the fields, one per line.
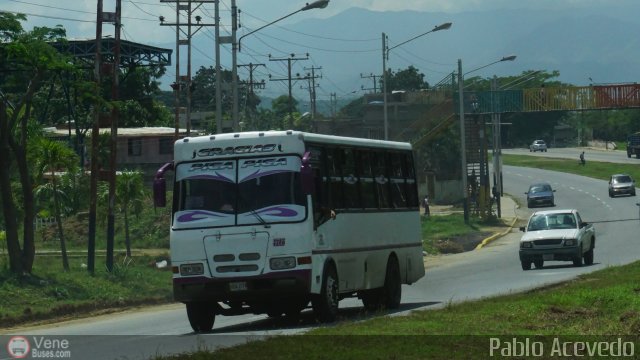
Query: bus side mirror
x=160 y=186
x=306 y=174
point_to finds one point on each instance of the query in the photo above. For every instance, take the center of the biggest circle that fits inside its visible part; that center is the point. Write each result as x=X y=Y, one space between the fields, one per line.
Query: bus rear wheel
x=392 y=290
x=325 y=304
x=201 y=316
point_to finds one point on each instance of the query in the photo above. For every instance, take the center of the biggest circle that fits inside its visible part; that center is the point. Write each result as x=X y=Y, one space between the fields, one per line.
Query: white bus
x=266 y=222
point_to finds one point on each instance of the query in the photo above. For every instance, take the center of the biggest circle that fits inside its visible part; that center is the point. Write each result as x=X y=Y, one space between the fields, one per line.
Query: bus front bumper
x=269 y=287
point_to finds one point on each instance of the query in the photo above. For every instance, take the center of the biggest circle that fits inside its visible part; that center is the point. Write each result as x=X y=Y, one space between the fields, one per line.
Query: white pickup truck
x=558 y=235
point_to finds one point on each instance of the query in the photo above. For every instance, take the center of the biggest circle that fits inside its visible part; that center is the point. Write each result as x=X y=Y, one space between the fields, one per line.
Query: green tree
x=130 y=199
x=409 y=79
x=54 y=157
x=285 y=110
x=33 y=62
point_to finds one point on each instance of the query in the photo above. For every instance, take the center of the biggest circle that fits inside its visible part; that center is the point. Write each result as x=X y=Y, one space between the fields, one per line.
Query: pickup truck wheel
x=577 y=261
x=526 y=265
x=538 y=263
x=588 y=257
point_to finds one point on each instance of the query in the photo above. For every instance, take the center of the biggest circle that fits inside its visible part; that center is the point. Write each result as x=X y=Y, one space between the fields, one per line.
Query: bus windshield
x=239 y=192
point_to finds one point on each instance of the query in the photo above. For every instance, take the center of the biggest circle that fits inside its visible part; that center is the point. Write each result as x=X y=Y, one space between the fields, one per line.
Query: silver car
x=538 y=145
x=622 y=184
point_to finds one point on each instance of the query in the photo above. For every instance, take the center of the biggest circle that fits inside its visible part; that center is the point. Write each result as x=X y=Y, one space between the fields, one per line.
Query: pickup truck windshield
x=552 y=222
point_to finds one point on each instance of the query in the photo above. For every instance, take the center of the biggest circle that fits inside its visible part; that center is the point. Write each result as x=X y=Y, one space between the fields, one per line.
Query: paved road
x=495 y=269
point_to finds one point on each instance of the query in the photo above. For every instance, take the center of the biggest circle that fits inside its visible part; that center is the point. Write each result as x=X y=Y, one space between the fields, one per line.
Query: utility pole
x=375 y=78
x=289 y=61
x=251 y=84
x=334 y=104
x=95 y=129
x=183 y=82
x=312 y=89
x=115 y=80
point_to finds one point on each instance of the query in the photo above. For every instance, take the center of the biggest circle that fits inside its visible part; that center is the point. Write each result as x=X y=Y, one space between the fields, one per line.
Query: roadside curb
x=496 y=235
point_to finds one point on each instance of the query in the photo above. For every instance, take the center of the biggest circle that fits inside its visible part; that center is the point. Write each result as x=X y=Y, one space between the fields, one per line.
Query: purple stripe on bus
x=197 y=215
x=258 y=174
x=279 y=211
x=211 y=177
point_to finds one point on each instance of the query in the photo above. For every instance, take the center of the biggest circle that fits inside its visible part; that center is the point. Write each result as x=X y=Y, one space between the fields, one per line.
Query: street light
x=318 y=4
x=385 y=55
x=463 y=155
x=504 y=58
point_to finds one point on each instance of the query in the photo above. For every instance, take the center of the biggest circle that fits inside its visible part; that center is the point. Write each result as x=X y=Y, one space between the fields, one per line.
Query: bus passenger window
x=381 y=180
x=398 y=185
x=350 y=180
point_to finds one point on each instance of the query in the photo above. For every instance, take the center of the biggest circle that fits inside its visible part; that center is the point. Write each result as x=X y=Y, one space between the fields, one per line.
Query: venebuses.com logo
x=38 y=347
x=18 y=347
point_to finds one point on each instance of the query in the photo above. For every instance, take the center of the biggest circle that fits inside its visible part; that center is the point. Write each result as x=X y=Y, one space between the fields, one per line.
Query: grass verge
x=594 y=169
x=52 y=293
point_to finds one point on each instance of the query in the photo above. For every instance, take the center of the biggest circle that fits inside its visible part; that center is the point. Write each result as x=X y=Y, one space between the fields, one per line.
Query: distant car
x=538 y=145
x=558 y=235
x=540 y=194
x=621 y=184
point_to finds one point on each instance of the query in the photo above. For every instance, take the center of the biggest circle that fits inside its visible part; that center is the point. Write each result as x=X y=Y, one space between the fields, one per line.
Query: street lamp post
x=318 y=4
x=463 y=157
x=385 y=57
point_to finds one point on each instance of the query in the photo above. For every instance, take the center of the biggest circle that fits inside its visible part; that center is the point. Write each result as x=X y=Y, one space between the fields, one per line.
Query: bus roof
x=305 y=136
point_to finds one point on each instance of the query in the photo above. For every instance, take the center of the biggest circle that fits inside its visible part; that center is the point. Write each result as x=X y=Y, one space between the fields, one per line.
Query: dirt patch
x=460 y=243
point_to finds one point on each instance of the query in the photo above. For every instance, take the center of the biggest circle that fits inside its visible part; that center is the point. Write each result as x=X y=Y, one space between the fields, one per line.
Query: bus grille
x=236 y=268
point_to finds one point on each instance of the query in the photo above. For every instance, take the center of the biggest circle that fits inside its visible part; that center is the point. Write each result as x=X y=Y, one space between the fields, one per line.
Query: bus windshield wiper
x=262 y=221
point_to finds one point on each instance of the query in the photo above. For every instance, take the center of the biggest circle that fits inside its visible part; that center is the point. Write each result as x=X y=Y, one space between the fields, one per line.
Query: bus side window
x=398 y=185
x=381 y=179
x=350 y=179
x=367 y=183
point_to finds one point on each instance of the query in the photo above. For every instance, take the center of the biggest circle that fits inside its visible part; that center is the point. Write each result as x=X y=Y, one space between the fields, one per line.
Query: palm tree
x=55 y=156
x=129 y=196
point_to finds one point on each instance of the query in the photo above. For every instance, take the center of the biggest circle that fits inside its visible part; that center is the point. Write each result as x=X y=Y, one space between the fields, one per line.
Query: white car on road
x=558 y=235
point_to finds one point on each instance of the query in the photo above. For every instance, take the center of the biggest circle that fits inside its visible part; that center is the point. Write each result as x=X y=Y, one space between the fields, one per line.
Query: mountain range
x=589 y=44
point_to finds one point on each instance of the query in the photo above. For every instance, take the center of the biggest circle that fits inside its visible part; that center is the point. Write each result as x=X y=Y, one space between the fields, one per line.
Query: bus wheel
x=201 y=316
x=325 y=304
x=392 y=285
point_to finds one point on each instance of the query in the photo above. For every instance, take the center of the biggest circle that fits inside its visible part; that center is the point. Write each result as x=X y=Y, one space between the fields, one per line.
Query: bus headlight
x=191 y=269
x=280 y=263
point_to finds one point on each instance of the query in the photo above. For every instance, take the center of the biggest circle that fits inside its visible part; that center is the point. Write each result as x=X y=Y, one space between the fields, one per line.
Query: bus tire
x=201 y=316
x=392 y=285
x=325 y=304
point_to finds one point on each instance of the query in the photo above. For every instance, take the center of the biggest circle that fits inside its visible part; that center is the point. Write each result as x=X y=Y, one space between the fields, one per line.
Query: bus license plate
x=238 y=286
